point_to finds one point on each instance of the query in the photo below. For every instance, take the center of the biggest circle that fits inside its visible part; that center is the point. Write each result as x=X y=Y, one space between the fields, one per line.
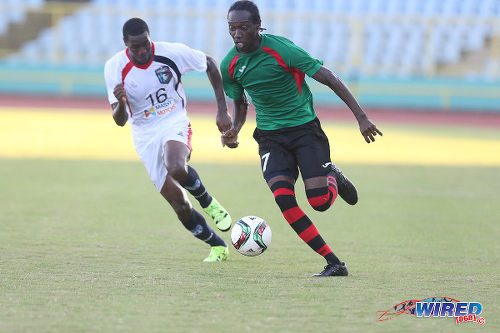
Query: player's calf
x=299 y=221
x=193 y=184
x=198 y=227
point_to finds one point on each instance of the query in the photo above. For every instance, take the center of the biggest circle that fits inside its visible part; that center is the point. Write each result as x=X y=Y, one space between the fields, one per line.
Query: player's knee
x=177 y=171
x=321 y=208
x=320 y=199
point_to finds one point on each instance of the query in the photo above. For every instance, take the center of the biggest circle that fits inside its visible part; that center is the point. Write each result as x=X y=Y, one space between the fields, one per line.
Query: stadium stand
x=431 y=54
x=358 y=37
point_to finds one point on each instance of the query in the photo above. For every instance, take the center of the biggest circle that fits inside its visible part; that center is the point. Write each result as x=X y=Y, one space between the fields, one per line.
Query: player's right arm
x=120 y=114
x=240 y=109
x=117 y=96
x=236 y=92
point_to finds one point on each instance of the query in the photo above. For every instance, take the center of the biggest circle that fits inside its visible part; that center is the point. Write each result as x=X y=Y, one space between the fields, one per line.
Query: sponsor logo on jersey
x=242 y=69
x=160 y=108
x=150 y=112
x=164 y=74
x=326 y=165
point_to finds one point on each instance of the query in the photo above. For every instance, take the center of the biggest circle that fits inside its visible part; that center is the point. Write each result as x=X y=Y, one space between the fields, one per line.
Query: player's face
x=245 y=34
x=139 y=48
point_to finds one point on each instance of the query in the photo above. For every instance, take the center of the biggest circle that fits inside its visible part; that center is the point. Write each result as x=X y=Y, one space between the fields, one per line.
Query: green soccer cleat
x=217 y=253
x=219 y=214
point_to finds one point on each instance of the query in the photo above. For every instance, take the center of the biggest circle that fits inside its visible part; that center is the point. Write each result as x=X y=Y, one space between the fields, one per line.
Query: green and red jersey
x=273 y=76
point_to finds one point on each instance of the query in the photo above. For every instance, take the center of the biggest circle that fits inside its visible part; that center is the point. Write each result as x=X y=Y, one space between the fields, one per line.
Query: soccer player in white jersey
x=144 y=87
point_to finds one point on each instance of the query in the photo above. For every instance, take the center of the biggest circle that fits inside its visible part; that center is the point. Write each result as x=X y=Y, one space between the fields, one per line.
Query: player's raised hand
x=230 y=138
x=120 y=93
x=368 y=130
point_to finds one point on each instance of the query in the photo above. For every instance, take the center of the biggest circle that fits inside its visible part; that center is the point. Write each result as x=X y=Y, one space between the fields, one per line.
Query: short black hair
x=134 y=27
x=249 y=6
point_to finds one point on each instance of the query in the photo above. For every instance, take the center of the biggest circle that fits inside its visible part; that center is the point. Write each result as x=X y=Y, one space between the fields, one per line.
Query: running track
x=378 y=115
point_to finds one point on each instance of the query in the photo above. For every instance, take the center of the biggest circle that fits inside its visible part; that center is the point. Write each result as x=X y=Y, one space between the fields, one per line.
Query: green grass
x=89 y=246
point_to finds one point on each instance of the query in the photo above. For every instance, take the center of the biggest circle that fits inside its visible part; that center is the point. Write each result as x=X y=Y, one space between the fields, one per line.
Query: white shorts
x=150 y=147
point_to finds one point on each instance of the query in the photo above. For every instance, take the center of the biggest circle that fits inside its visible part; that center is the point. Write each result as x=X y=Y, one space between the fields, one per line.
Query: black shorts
x=284 y=151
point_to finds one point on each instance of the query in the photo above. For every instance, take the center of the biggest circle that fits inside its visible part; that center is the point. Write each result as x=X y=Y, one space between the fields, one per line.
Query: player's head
x=243 y=18
x=136 y=38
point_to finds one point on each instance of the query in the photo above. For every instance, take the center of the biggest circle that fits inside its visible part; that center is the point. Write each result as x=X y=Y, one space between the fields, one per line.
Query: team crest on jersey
x=164 y=74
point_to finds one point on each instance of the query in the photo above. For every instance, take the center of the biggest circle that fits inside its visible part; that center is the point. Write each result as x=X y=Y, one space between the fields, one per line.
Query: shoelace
x=218 y=214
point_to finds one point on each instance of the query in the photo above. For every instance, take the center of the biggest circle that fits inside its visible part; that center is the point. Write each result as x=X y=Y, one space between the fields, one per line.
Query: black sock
x=193 y=185
x=197 y=225
x=331 y=258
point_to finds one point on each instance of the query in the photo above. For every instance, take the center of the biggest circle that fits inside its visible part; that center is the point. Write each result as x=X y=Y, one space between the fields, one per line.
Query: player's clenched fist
x=120 y=93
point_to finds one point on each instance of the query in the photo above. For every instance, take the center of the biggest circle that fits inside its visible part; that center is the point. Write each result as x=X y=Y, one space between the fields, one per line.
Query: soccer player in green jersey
x=271 y=69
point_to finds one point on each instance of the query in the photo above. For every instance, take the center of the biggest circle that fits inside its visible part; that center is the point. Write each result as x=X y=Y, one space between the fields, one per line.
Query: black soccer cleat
x=346 y=188
x=334 y=270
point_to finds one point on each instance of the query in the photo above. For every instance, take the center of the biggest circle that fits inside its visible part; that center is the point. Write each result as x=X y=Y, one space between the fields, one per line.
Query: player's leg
x=312 y=152
x=176 y=154
x=313 y=158
x=321 y=191
x=284 y=195
x=193 y=220
x=280 y=172
x=322 y=180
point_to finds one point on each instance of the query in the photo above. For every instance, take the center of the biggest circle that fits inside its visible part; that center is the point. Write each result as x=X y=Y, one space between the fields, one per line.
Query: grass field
x=89 y=246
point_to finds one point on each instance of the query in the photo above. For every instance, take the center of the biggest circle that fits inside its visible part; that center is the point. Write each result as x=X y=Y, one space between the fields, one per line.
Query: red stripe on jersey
x=293 y=214
x=319 y=200
x=125 y=71
x=190 y=135
x=297 y=73
x=309 y=233
x=325 y=250
x=283 y=191
x=150 y=61
x=232 y=65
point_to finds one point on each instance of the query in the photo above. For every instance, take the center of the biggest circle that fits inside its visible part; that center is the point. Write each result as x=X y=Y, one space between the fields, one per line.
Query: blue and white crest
x=164 y=74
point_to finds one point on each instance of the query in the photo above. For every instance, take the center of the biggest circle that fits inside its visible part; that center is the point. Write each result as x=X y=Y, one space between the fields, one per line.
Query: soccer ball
x=251 y=236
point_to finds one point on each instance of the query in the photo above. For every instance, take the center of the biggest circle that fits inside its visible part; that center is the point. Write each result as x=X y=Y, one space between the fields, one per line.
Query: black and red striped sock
x=323 y=197
x=284 y=196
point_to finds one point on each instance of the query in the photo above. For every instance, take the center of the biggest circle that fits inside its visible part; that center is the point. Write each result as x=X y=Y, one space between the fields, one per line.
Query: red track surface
x=378 y=115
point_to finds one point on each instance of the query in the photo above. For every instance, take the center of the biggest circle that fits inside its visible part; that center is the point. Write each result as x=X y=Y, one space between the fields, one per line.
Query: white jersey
x=154 y=91
x=156 y=100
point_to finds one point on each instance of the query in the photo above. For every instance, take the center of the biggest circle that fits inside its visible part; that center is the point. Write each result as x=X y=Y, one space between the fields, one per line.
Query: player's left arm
x=366 y=127
x=223 y=119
